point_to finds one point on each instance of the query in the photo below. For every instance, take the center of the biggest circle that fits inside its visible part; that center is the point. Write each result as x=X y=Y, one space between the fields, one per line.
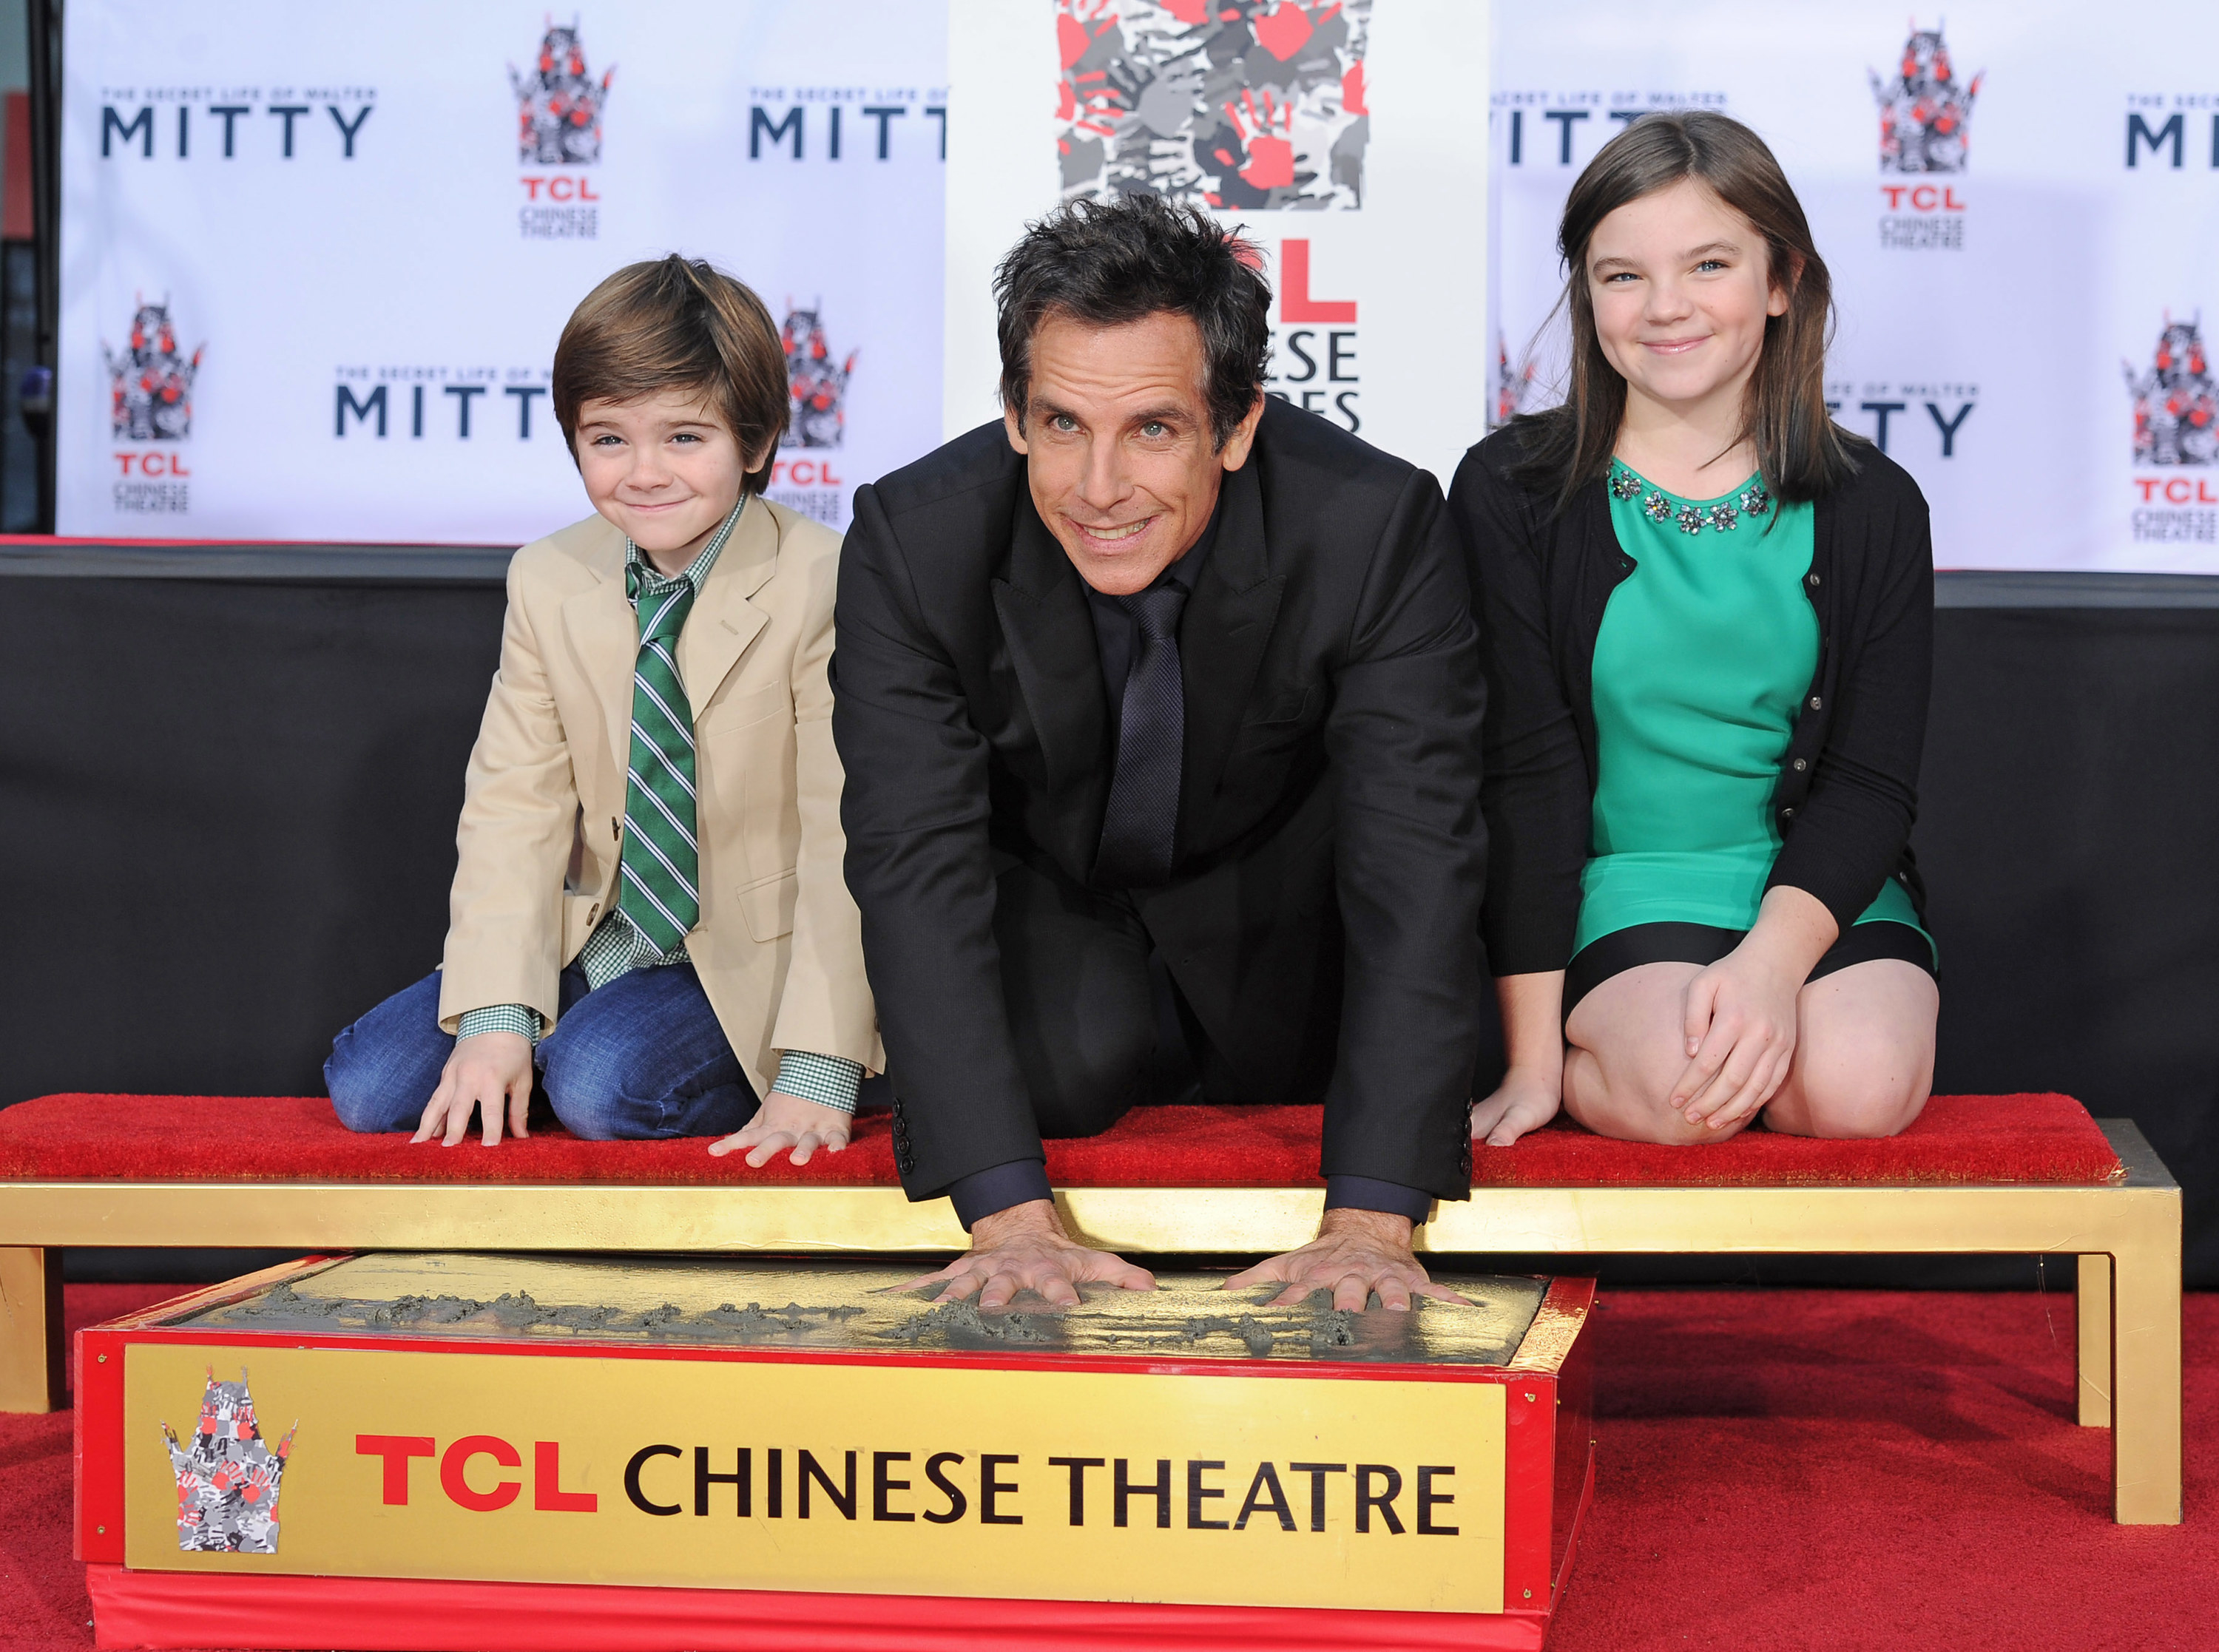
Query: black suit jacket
x=1329 y=822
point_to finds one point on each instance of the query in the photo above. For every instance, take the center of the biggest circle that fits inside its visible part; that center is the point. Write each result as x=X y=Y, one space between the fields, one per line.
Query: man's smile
x=1113 y=537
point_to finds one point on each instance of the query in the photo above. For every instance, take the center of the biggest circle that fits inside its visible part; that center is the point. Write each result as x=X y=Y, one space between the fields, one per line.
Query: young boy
x=649 y=905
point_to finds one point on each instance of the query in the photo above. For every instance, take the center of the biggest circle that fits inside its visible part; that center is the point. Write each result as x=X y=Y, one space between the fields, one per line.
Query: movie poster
x=315 y=264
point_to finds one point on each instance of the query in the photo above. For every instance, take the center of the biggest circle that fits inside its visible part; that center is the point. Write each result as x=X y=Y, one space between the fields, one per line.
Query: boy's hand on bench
x=488 y=1072
x=1356 y=1253
x=784 y=1121
x=1025 y=1248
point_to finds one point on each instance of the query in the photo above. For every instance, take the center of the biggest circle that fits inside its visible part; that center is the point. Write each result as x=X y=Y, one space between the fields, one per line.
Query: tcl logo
x=468 y=1485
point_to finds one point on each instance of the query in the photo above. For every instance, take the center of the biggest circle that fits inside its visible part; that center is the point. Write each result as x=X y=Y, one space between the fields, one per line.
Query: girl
x=1707 y=613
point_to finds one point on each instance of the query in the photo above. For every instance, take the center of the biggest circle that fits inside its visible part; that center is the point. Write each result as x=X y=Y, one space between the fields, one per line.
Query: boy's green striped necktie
x=662 y=859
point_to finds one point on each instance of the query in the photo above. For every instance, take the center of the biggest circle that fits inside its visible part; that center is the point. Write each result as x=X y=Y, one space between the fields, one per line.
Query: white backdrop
x=2003 y=317
x=439 y=258
x=2009 y=313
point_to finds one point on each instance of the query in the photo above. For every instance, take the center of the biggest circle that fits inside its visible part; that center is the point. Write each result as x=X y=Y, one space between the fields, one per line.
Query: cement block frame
x=2125 y=1235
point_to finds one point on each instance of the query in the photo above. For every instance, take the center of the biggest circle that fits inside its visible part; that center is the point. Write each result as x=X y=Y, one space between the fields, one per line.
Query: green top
x=1705 y=654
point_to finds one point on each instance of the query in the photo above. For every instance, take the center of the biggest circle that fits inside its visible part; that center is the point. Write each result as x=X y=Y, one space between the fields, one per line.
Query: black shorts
x=1700 y=943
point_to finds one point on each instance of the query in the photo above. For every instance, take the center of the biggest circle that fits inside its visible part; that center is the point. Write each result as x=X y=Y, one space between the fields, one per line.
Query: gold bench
x=2126 y=1235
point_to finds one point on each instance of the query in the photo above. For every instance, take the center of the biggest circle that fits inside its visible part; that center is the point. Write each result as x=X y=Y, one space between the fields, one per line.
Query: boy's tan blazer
x=779 y=944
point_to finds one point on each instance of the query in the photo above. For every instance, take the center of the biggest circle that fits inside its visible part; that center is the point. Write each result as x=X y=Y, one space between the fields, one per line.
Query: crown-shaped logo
x=228 y=1477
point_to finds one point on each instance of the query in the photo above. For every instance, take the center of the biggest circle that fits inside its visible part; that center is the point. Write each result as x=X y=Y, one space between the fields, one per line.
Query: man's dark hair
x=1106 y=263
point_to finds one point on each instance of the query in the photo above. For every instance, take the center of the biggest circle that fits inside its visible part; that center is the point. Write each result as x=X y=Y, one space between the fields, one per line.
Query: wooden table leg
x=2092 y=1311
x=2145 y=1369
x=31 y=1347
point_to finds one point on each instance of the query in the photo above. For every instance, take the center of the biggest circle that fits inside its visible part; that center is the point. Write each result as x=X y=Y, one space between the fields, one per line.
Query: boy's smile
x=665 y=468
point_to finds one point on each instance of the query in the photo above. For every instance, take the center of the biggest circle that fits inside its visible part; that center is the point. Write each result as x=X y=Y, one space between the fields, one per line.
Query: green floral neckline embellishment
x=1661 y=507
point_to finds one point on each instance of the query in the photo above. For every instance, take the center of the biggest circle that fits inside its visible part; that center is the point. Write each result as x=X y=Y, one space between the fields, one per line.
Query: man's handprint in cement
x=1246 y=105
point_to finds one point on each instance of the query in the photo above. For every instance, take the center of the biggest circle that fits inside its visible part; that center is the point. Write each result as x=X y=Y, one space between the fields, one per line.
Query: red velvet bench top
x=1958 y=1139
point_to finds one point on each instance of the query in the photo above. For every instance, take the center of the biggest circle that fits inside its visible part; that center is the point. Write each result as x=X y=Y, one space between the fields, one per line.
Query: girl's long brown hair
x=1800 y=451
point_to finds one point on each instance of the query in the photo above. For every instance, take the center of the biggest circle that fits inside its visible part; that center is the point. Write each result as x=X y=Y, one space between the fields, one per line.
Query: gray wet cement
x=852 y=1307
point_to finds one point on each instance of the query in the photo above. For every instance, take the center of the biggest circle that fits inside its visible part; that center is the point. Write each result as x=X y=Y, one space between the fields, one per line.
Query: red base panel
x=176 y=1609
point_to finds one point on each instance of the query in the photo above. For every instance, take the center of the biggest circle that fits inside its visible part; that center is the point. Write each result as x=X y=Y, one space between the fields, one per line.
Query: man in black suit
x=1160 y=705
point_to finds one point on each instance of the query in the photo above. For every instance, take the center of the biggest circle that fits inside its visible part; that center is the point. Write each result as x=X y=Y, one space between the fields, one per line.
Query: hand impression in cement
x=1355 y=1253
x=1025 y=1248
x=786 y=1121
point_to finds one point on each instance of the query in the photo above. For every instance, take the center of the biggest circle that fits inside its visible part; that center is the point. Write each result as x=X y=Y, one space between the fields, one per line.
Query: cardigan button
x=1815 y=702
x=1787 y=813
x=1800 y=765
x=1814 y=579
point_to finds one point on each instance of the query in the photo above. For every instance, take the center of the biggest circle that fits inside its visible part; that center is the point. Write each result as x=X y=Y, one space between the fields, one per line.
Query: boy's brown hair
x=677 y=324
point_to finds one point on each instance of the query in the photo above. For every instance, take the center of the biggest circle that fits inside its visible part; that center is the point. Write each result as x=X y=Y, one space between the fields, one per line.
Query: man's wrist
x=1412 y=1205
x=1033 y=1216
x=1382 y=1225
x=983 y=1193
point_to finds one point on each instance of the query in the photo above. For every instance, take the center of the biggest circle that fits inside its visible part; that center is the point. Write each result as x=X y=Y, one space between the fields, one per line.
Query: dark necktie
x=1144 y=792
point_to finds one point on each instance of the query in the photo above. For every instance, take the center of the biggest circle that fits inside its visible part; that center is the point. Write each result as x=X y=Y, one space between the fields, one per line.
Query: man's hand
x=1525 y=1099
x=486 y=1073
x=784 y=1121
x=1025 y=1248
x=1355 y=1253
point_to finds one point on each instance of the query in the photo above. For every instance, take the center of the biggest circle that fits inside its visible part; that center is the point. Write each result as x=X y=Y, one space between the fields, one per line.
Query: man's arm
x=1410 y=859
x=914 y=809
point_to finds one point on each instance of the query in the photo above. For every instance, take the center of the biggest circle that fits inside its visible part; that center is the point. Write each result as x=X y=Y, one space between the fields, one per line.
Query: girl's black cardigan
x=1847 y=788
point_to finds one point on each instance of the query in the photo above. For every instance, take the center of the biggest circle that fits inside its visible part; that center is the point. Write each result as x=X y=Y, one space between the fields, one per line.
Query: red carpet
x=276 y=1138
x=1779 y=1470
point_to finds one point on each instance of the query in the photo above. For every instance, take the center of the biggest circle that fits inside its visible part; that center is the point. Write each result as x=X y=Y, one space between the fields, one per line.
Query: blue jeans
x=639 y=1059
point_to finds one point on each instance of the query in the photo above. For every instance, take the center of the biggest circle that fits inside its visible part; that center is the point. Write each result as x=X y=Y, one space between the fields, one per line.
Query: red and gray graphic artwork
x=151 y=383
x=818 y=384
x=558 y=104
x=227 y=1477
x=2176 y=402
x=1248 y=105
x=1924 y=110
x=1512 y=385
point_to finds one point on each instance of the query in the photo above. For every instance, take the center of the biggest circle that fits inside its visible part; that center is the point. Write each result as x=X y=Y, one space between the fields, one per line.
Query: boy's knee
x=363 y=1101
x=596 y=1099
